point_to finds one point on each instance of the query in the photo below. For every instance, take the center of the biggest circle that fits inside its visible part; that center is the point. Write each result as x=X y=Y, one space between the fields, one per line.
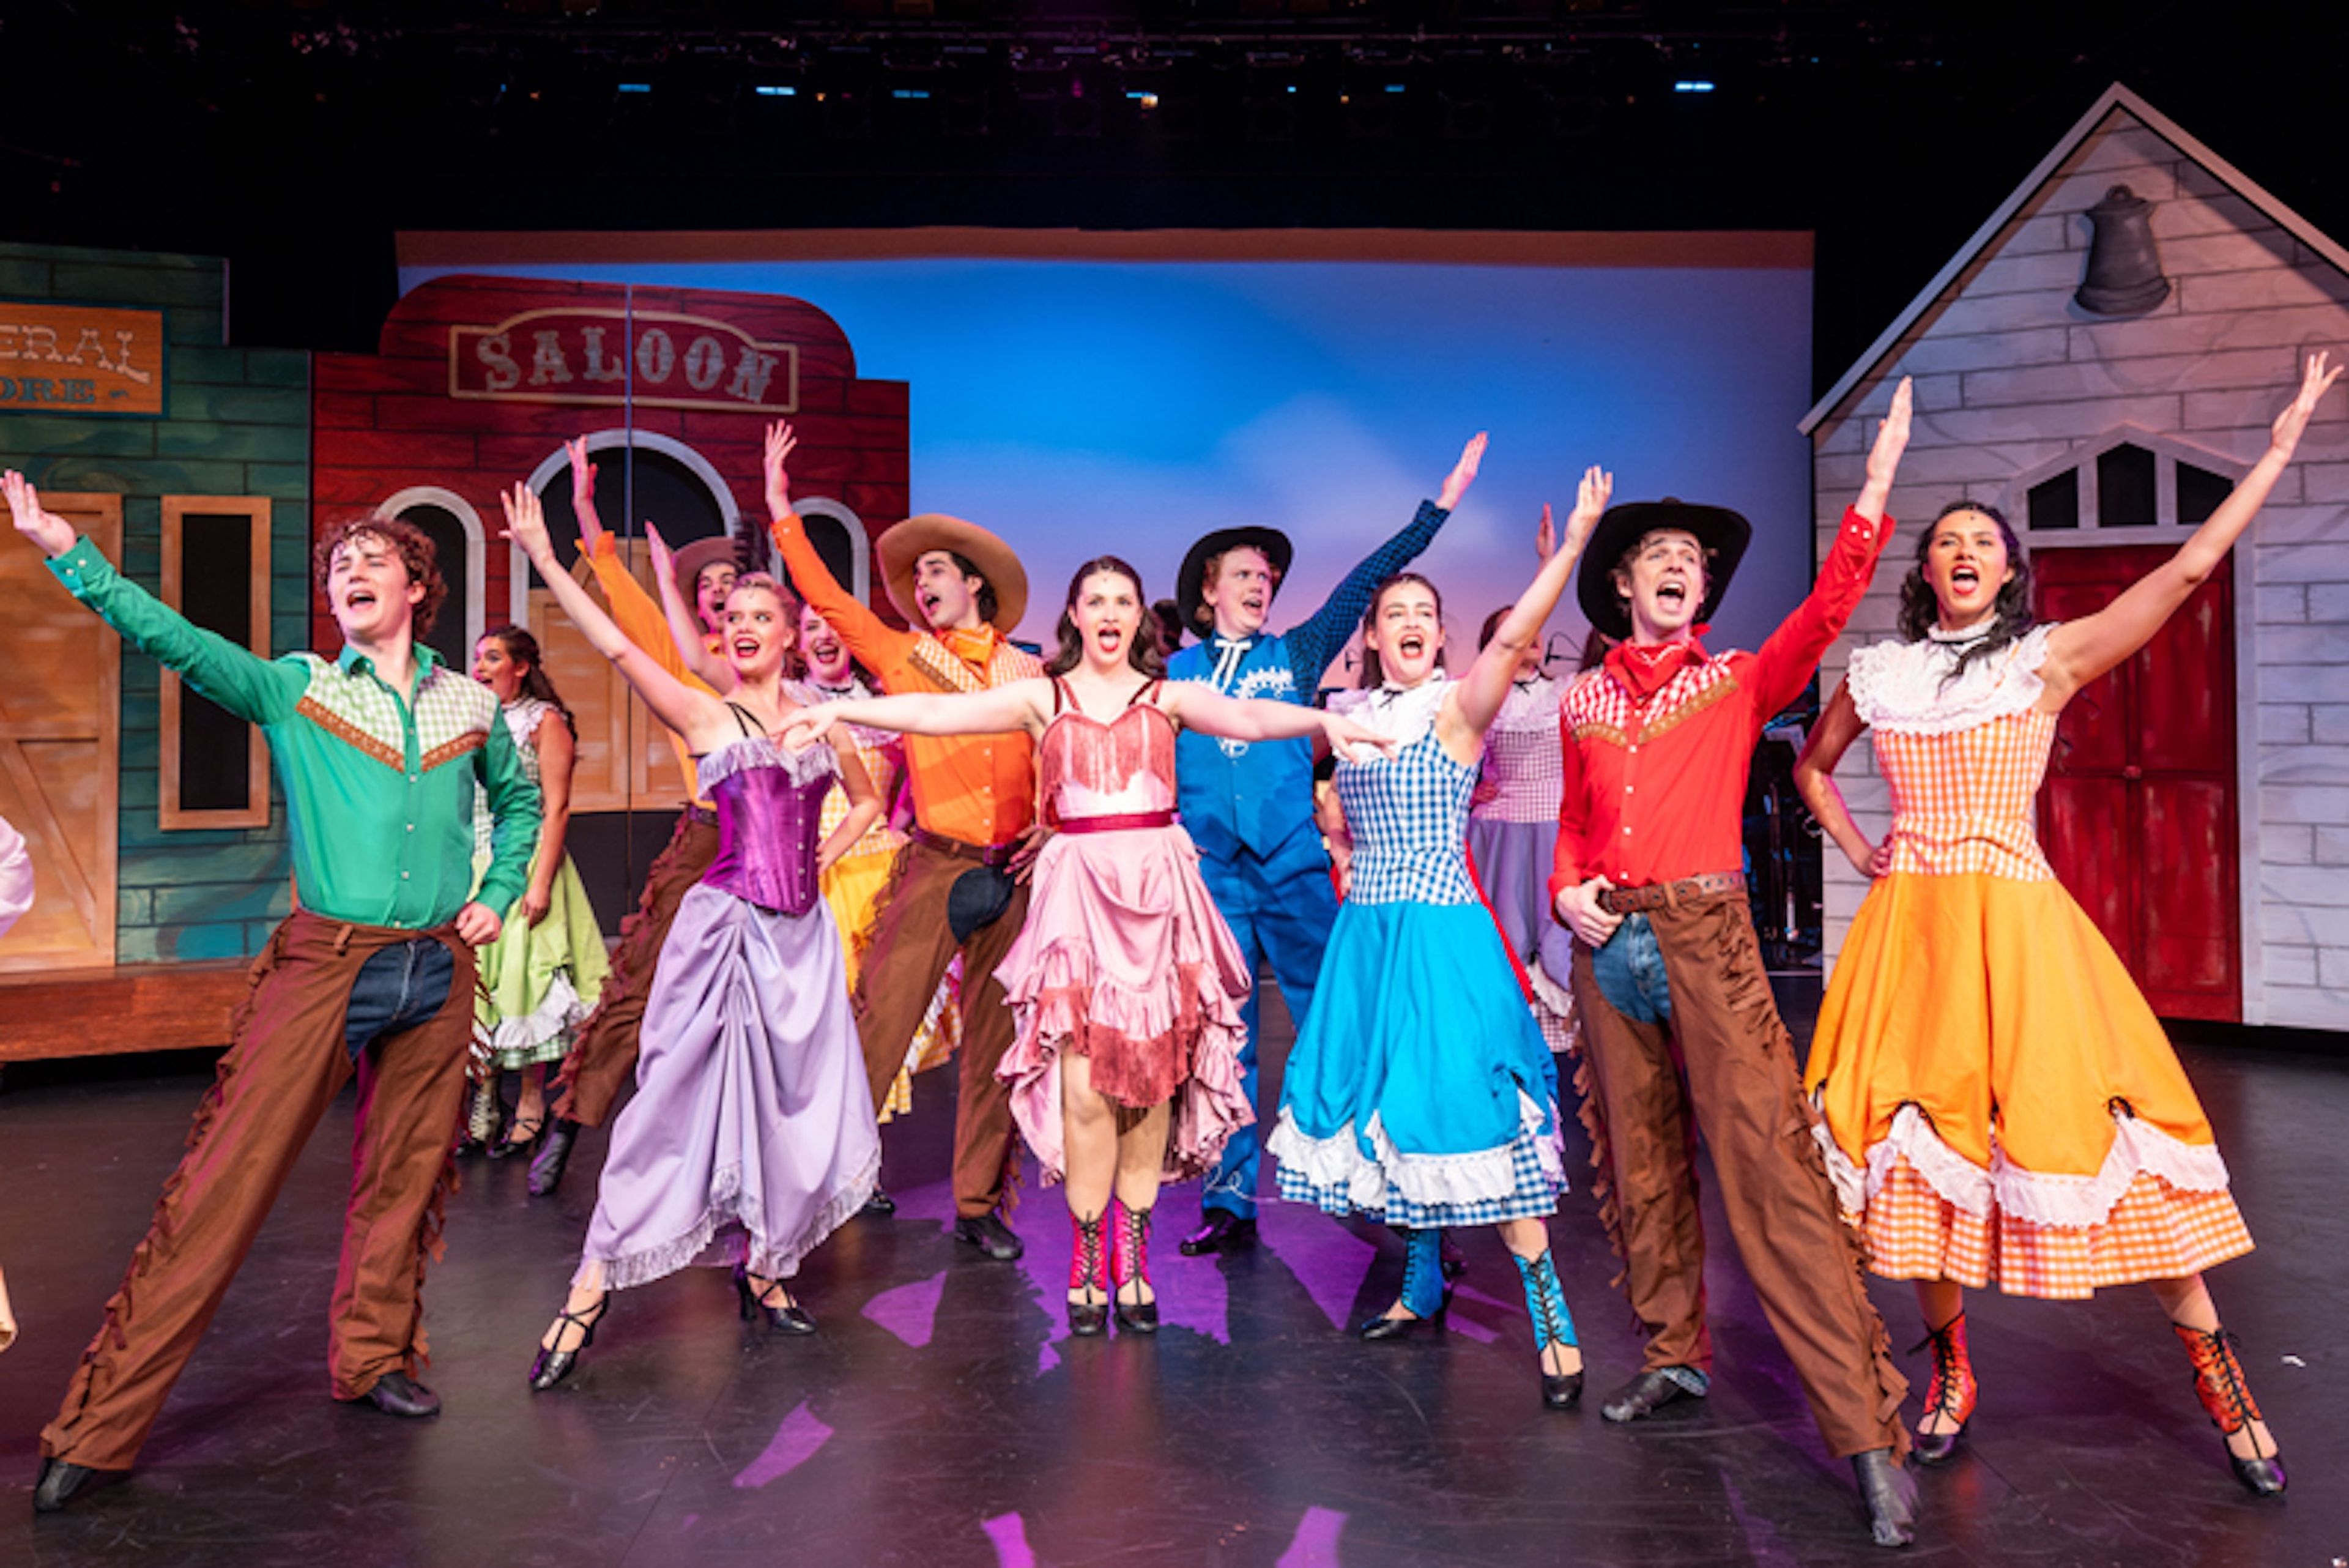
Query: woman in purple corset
x=752 y=1136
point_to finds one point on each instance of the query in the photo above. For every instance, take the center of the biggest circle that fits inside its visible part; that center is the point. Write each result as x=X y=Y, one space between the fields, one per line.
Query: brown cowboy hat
x=900 y=547
x=1722 y=534
x=690 y=561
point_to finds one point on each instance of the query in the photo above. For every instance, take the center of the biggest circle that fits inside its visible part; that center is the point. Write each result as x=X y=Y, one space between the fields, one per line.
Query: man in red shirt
x=1649 y=876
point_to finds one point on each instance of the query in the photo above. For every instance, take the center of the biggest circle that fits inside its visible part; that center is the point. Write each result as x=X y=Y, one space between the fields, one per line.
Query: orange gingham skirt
x=1993 y=1006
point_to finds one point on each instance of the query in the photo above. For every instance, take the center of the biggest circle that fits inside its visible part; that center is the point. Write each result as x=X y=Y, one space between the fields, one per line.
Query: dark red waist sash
x=1118 y=823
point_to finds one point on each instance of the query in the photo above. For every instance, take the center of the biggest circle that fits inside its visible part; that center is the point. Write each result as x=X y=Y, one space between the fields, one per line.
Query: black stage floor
x=943 y=1417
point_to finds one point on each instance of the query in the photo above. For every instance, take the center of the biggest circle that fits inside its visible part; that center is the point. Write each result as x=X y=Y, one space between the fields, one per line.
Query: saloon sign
x=653 y=358
x=76 y=359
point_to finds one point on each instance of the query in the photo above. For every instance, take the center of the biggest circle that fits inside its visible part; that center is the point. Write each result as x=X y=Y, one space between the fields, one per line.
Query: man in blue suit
x=1250 y=806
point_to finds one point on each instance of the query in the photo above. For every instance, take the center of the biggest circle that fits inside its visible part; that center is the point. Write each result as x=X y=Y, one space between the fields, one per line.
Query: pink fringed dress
x=1124 y=960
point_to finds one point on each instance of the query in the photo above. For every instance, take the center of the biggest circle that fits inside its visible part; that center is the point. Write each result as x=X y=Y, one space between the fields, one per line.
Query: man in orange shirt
x=960 y=882
x=602 y=1056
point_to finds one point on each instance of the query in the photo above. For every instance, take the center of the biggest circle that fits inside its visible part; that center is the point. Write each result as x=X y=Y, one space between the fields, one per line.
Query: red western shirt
x=1655 y=784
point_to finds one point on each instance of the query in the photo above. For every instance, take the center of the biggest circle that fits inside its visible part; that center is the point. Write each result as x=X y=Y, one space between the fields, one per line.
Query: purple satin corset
x=770 y=823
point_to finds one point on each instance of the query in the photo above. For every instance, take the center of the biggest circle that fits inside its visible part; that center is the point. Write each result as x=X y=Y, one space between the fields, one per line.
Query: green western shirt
x=378 y=785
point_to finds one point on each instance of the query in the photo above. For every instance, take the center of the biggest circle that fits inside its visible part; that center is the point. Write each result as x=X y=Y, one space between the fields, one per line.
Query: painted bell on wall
x=2124 y=274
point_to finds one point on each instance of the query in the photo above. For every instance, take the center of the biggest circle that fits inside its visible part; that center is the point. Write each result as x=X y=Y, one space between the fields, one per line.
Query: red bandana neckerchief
x=1644 y=668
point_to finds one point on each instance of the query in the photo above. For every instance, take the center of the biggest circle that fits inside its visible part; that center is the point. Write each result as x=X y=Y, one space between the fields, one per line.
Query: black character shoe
x=553 y=1365
x=786 y=1316
x=1889 y=1493
x=520 y=1134
x=991 y=1235
x=398 y=1394
x=880 y=1203
x=60 y=1479
x=553 y=1154
x=1220 y=1232
x=1644 y=1395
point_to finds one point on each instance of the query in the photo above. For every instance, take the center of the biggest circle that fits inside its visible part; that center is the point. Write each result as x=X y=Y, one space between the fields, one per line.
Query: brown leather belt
x=1633 y=900
x=996 y=855
x=1117 y=822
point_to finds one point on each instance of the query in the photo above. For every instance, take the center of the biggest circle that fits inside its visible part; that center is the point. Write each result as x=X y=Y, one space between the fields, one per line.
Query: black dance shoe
x=519 y=1134
x=398 y=1394
x=1372 y=1329
x=553 y=1154
x=554 y=1365
x=1221 y=1231
x=1561 y=1391
x=991 y=1235
x=61 y=1479
x=1644 y=1395
x=881 y=1204
x=1889 y=1493
x=790 y=1318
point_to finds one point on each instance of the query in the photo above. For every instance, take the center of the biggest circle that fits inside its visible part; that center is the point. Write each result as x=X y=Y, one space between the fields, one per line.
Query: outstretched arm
x=257 y=690
x=998 y=711
x=877 y=645
x=691 y=713
x=1314 y=643
x=1839 y=725
x=1198 y=706
x=2078 y=651
x=1487 y=686
x=633 y=610
x=1789 y=657
x=684 y=624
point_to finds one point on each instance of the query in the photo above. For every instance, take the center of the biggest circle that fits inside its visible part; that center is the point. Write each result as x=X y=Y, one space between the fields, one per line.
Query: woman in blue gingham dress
x=1420 y=1092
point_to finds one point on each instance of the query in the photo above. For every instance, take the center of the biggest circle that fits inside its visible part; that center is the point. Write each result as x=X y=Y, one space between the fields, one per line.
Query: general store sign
x=657 y=360
x=79 y=359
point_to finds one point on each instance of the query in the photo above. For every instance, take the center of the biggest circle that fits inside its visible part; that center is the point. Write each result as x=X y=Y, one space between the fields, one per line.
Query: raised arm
x=2080 y=651
x=1314 y=643
x=633 y=609
x=258 y=691
x=688 y=711
x=1198 y=706
x=684 y=624
x=998 y=711
x=1838 y=728
x=1791 y=656
x=514 y=830
x=1486 y=685
x=876 y=644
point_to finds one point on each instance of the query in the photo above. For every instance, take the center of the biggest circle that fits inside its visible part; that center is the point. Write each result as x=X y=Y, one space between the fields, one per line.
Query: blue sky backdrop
x=1077 y=407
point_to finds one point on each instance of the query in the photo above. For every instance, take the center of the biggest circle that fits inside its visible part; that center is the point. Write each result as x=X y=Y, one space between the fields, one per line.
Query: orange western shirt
x=979 y=789
x=645 y=624
x=1657 y=745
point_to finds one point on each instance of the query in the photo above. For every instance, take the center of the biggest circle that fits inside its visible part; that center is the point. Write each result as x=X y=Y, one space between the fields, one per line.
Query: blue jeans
x=398 y=988
x=1629 y=970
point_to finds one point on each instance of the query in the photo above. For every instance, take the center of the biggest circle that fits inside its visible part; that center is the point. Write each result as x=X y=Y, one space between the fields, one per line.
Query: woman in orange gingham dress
x=2000 y=1104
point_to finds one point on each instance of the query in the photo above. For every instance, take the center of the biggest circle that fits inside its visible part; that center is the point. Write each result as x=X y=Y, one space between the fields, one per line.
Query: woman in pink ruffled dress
x=1126 y=982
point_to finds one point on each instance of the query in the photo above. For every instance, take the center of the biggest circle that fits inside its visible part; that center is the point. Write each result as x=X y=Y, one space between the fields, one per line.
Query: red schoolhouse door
x=2138 y=815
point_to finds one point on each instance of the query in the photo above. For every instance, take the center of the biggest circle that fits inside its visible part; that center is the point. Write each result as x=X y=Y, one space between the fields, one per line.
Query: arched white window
x=431 y=504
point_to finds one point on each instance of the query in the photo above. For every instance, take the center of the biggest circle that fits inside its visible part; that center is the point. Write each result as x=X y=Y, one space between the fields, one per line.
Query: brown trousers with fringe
x=602 y=1060
x=1734 y=1075
x=286 y=1063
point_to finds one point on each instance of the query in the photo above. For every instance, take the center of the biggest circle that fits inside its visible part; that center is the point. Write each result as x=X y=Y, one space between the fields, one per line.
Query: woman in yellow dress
x=2000 y=1104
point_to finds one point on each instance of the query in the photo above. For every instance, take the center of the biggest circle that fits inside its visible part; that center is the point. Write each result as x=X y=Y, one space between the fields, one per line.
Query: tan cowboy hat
x=690 y=561
x=901 y=545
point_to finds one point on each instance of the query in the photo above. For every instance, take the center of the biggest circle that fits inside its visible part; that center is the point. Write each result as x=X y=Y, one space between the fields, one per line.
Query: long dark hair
x=1142 y=650
x=522 y=648
x=1373 y=674
x=2011 y=614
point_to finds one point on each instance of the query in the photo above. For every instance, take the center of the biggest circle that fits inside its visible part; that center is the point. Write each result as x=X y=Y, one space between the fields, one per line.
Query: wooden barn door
x=60 y=737
x=2139 y=812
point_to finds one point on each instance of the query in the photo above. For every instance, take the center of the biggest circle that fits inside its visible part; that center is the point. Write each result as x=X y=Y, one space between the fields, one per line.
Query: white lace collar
x=1905 y=686
x=1402 y=713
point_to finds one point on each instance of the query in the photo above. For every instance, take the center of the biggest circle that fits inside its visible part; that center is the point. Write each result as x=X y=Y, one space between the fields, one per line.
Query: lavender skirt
x=1513 y=863
x=752 y=1136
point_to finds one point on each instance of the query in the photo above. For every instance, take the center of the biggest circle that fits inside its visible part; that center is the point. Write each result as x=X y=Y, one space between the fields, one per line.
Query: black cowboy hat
x=1188 y=582
x=1722 y=534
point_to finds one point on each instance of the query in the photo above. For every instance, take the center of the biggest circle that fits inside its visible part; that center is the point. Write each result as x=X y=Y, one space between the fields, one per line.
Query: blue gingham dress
x=1420 y=1091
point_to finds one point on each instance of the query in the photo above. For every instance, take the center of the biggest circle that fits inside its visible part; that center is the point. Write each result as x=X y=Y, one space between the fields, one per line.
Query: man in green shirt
x=380 y=751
